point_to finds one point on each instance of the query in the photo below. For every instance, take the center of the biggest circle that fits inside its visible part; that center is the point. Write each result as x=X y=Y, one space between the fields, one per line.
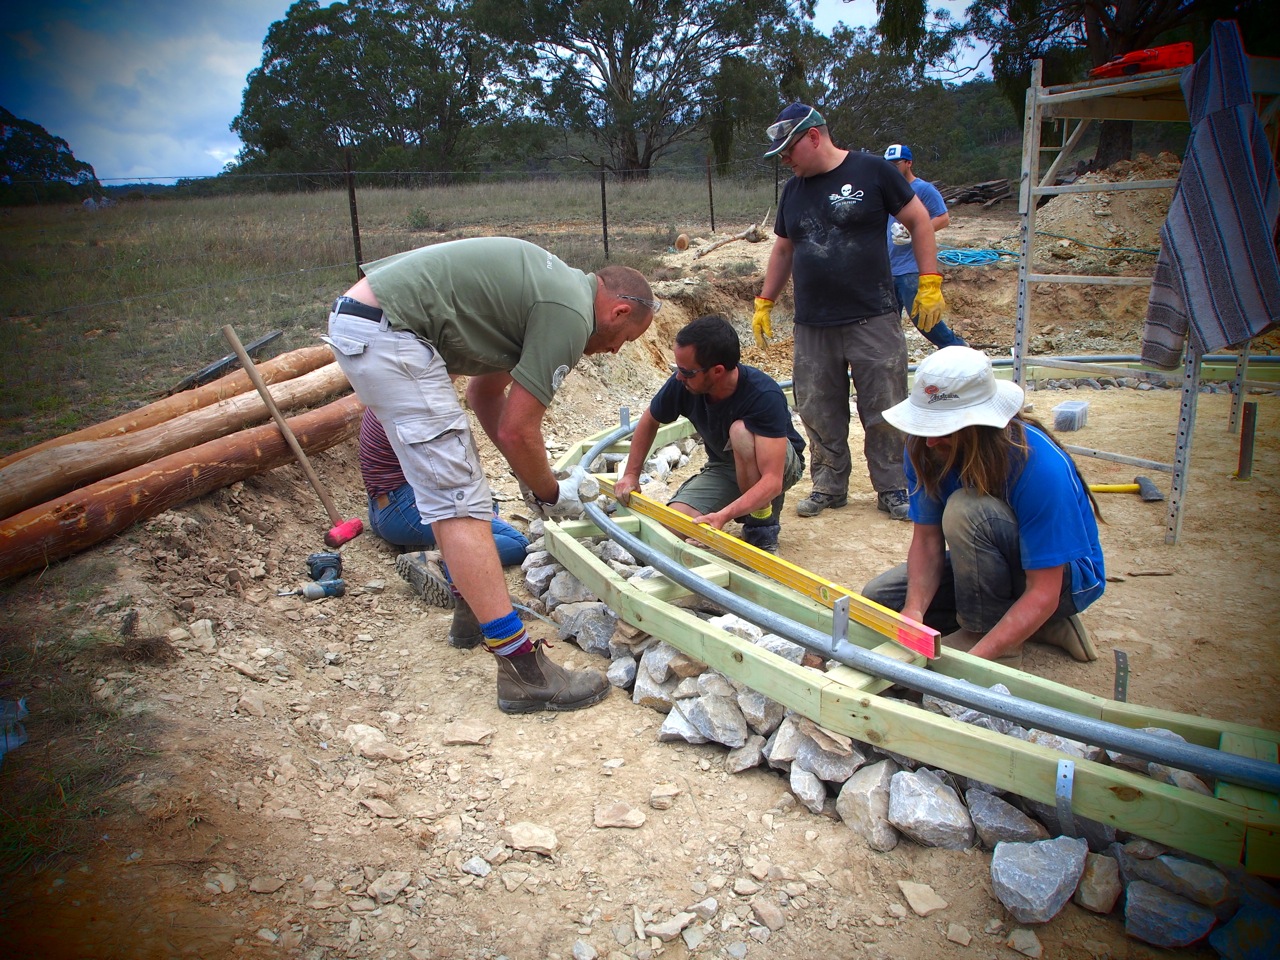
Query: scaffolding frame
x=1153 y=97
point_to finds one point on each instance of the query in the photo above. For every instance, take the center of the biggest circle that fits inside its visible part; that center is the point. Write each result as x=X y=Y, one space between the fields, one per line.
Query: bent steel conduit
x=1207 y=761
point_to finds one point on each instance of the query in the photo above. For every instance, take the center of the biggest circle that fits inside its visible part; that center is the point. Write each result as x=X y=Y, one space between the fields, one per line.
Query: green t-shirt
x=491 y=304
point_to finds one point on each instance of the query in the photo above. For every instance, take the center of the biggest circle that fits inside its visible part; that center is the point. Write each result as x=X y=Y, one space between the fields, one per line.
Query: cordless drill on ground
x=325 y=570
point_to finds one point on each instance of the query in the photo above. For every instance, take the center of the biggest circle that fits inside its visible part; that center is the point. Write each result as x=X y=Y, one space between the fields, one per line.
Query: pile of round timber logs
x=69 y=493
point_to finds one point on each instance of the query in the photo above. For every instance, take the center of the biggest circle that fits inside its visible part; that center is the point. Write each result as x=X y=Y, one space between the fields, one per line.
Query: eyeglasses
x=655 y=306
x=783 y=128
x=686 y=372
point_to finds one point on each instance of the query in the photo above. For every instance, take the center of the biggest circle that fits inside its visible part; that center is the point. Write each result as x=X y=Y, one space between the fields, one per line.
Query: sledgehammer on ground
x=1144 y=487
x=342 y=530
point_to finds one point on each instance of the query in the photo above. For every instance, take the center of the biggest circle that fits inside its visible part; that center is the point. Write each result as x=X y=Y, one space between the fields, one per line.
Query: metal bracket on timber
x=1240 y=824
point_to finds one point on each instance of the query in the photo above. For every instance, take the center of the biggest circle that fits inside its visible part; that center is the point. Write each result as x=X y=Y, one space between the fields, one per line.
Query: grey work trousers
x=982 y=573
x=874 y=353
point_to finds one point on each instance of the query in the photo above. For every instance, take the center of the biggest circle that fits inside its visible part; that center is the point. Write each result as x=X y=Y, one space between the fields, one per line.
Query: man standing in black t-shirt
x=754 y=454
x=830 y=228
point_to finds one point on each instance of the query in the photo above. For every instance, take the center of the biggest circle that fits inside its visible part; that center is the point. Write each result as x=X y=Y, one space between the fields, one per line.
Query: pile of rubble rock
x=1169 y=899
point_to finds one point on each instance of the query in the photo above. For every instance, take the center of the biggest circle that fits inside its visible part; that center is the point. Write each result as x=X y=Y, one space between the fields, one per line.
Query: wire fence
x=384 y=212
x=15 y=192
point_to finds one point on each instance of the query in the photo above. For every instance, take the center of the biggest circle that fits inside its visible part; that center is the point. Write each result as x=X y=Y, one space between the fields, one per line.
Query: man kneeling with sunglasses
x=754 y=454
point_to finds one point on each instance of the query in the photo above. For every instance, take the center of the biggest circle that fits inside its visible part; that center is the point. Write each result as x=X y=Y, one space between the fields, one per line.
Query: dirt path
x=246 y=825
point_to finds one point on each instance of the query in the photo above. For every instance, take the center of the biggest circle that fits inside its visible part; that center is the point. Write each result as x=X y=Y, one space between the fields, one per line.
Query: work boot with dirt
x=424 y=573
x=464 y=632
x=763 y=536
x=532 y=681
x=1069 y=635
x=895 y=503
x=816 y=502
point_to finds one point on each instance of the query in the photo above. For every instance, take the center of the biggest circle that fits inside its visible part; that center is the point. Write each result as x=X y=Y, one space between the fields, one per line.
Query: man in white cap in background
x=1005 y=545
x=830 y=228
x=902 y=261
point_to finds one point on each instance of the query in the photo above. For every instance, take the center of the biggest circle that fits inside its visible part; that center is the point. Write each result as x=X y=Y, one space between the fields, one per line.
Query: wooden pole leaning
x=341 y=530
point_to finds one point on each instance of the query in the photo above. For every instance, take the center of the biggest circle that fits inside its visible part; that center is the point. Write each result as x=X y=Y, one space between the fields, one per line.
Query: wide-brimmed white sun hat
x=955 y=388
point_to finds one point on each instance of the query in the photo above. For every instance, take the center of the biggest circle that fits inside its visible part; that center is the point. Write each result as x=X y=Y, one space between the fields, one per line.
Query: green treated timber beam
x=761 y=590
x=1261 y=846
x=1207 y=826
x=1204 y=731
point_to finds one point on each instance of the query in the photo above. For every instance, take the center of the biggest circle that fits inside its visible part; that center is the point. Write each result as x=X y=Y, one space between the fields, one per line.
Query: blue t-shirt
x=757 y=401
x=902 y=260
x=1055 y=518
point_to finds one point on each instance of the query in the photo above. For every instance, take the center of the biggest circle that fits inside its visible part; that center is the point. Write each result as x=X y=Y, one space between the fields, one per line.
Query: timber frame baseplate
x=1238 y=825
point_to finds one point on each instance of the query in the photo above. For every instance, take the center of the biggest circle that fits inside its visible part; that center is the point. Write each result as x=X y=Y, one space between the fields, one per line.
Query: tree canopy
x=449 y=85
x=636 y=76
x=404 y=83
x=1070 y=36
x=37 y=167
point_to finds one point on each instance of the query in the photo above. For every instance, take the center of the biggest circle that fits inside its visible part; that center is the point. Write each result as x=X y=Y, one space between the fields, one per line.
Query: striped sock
x=505 y=636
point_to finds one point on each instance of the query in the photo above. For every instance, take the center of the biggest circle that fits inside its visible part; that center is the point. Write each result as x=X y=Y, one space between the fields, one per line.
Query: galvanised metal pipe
x=1245 y=771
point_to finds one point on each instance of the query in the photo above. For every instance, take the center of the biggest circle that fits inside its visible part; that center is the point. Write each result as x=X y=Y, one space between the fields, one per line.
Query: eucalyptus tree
x=38 y=167
x=635 y=77
x=403 y=83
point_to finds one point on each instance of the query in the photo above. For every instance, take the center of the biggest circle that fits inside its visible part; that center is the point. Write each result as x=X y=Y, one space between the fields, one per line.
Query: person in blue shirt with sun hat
x=1005 y=542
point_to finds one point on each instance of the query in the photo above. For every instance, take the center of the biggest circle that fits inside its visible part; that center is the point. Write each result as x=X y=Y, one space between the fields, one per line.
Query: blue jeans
x=400 y=523
x=982 y=572
x=905 y=287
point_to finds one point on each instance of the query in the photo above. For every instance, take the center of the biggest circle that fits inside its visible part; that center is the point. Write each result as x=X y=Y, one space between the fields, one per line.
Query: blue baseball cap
x=897 y=151
x=794 y=120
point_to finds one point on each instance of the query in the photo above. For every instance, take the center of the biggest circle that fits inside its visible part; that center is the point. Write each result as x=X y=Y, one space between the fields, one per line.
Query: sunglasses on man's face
x=784 y=127
x=655 y=306
x=686 y=372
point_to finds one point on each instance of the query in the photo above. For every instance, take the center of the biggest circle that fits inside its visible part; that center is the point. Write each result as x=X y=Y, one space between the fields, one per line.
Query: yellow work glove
x=761 y=324
x=927 y=310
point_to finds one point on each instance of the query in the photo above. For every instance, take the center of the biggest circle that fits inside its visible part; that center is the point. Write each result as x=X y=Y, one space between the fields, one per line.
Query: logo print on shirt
x=846 y=195
x=557 y=378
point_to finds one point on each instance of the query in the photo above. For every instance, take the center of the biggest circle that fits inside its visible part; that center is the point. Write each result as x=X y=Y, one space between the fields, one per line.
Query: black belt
x=354 y=308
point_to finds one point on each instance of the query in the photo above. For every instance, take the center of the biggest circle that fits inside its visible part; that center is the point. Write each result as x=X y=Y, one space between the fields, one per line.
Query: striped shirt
x=379 y=467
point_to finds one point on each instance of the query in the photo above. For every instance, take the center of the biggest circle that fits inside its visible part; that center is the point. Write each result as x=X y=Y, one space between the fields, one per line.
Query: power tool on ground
x=325 y=570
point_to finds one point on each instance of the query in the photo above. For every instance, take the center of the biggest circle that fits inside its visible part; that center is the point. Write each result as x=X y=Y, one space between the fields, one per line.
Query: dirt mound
x=1114 y=231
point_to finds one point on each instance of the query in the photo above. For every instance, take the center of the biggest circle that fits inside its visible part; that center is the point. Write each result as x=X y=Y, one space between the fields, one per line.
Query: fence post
x=1248 y=425
x=355 y=217
x=604 y=210
x=711 y=197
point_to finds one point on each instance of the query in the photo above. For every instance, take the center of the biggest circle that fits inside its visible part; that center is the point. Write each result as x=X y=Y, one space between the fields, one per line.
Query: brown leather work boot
x=464 y=632
x=532 y=682
x=423 y=573
x=1069 y=635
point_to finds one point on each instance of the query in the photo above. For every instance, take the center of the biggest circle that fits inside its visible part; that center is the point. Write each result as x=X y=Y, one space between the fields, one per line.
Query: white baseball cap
x=955 y=388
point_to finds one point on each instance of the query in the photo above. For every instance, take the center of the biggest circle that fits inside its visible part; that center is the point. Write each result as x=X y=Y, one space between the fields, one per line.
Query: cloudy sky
x=147 y=89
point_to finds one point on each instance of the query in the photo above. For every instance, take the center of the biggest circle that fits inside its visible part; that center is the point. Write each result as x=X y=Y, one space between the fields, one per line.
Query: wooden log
x=42 y=535
x=57 y=470
x=284 y=367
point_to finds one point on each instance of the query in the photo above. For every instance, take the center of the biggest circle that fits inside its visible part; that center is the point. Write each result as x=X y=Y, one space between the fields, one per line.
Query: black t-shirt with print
x=836 y=222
